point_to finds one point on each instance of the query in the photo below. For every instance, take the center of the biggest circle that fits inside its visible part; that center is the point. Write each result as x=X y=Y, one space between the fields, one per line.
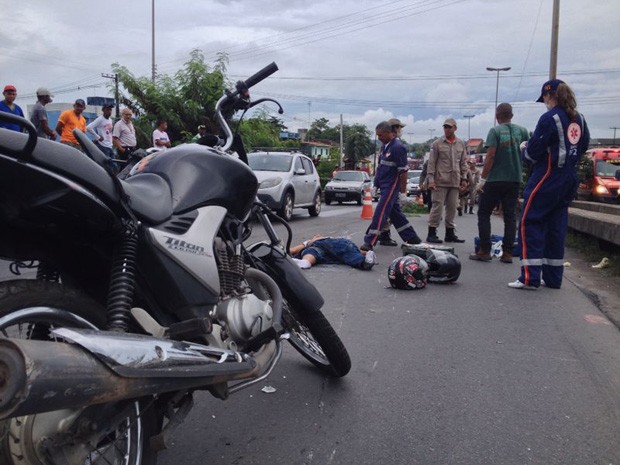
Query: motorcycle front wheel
x=29 y=309
x=315 y=338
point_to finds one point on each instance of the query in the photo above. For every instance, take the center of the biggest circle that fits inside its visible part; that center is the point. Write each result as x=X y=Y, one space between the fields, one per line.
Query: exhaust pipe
x=98 y=367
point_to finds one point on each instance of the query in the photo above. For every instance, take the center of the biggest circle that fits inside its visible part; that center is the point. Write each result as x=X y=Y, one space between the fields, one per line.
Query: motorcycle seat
x=150 y=197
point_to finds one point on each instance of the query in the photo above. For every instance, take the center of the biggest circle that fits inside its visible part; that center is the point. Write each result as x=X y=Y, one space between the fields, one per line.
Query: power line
x=344 y=25
x=436 y=77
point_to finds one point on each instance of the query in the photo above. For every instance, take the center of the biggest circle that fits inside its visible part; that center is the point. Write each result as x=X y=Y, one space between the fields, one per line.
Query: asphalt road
x=468 y=373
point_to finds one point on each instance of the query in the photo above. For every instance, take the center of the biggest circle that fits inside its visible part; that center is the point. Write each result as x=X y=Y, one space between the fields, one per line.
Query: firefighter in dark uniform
x=559 y=140
x=392 y=166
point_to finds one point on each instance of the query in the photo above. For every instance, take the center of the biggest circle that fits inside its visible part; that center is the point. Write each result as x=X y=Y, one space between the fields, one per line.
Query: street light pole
x=469 y=117
x=497 y=85
x=614 y=142
x=431 y=131
x=153 y=72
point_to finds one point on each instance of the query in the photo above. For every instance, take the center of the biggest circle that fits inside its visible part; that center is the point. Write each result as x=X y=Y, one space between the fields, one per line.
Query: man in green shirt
x=499 y=183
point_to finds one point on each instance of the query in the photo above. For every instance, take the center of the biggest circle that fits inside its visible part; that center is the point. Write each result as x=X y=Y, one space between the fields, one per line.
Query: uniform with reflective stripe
x=392 y=162
x=550 y=189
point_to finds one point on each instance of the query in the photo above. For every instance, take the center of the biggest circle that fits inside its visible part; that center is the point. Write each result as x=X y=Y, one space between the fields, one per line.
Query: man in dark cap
x=70 y=120
x=560 y=139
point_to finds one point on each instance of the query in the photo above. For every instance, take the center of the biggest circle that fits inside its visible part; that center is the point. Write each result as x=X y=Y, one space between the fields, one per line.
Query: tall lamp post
x=469 y=117
x=497 y=70
x=614 y=142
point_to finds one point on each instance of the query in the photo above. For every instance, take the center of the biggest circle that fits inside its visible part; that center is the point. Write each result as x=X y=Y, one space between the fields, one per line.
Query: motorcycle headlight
x=271 y=182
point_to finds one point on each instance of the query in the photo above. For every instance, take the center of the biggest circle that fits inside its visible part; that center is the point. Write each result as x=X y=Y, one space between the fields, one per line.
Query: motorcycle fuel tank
x=201 y=176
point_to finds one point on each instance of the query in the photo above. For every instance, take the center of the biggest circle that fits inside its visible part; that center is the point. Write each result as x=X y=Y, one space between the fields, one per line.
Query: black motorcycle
x=146 y=290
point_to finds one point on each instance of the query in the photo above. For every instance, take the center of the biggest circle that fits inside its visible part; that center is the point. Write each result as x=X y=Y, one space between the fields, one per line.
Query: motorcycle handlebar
x=262 y=74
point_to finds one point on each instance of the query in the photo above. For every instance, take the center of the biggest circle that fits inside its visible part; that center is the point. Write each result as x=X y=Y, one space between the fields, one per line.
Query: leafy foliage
x=185 y=100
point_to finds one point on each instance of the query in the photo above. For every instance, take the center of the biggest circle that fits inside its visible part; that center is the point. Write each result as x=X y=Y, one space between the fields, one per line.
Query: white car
x=287 y=180
x=413 y=182
x=347 y=186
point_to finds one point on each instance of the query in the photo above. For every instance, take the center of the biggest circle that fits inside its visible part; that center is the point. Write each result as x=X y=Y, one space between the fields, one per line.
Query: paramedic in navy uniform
x=560 y=138
x=392 y=165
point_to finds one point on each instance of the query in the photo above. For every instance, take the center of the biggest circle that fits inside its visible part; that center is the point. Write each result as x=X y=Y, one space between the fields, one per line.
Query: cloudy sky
x=417 y=60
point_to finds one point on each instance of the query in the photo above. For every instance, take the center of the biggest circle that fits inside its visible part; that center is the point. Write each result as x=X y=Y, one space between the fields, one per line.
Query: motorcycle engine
x=244 y=317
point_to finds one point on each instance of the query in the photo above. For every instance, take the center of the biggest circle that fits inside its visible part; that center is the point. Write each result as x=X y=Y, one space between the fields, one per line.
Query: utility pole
x=431 y=131
x=555 y=29
x=469 y=117
x=153 y=66
x=614 y=128
x=116 y=96
x=341 y=161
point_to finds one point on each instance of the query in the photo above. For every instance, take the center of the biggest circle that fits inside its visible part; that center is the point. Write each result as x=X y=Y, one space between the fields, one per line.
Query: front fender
x=295 y=288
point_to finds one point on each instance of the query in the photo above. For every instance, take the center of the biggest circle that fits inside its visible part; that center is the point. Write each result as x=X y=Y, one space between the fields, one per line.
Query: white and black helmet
x=443 y=267
x=408 y=272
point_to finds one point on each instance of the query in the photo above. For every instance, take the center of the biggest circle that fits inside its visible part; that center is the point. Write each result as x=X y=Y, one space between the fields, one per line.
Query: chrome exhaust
x=96 y=367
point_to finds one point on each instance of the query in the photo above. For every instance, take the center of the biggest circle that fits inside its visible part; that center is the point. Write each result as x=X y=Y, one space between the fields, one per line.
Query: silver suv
x=287 y=180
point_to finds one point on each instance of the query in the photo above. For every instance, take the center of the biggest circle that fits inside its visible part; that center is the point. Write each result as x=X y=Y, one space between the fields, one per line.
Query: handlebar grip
x=262 y=74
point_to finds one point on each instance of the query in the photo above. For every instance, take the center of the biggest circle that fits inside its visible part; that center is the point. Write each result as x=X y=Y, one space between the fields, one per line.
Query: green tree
x=320 y=130
x=357 y=145
x=263 y=131
x=184 y=100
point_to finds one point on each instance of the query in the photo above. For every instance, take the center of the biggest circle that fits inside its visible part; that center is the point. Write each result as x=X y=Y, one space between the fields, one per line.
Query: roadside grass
x=413 y=209
x=595 y=250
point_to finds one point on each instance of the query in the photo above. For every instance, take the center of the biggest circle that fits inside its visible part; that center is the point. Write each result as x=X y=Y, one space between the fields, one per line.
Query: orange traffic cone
x=367 y=205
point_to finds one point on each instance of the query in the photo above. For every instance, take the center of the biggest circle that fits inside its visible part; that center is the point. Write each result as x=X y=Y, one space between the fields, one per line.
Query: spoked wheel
x=314 y=338
x=29 y=309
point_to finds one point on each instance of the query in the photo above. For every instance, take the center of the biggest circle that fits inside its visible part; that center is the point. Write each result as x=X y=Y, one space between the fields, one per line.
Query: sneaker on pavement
x=389 y=242
x=369 y=260
x=519 y=285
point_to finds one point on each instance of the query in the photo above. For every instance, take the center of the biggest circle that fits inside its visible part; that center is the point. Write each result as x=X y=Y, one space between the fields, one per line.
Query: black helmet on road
x=408 y=272
x=443 y=267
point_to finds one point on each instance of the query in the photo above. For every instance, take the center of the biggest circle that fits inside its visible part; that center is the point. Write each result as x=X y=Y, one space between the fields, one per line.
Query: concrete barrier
x=596 y=219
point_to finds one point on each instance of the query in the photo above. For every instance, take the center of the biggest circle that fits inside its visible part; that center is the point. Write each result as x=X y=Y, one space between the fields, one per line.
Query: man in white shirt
x=101 y=130
x=161 y=141
x=124 y=135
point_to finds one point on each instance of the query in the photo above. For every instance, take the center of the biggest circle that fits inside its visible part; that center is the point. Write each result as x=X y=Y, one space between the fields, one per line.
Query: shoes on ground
x=519 y=285
x=369 y=260
x=460 y=210
x=505 y=258
x=433 y=239
x=481 y=256
x=365 y=247
x=414 y=241
x=389 y=242
x=453 y=238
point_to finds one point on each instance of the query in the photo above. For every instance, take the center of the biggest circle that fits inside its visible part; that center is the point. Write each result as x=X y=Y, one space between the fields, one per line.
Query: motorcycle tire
x=314 y=337
x=28 y=309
